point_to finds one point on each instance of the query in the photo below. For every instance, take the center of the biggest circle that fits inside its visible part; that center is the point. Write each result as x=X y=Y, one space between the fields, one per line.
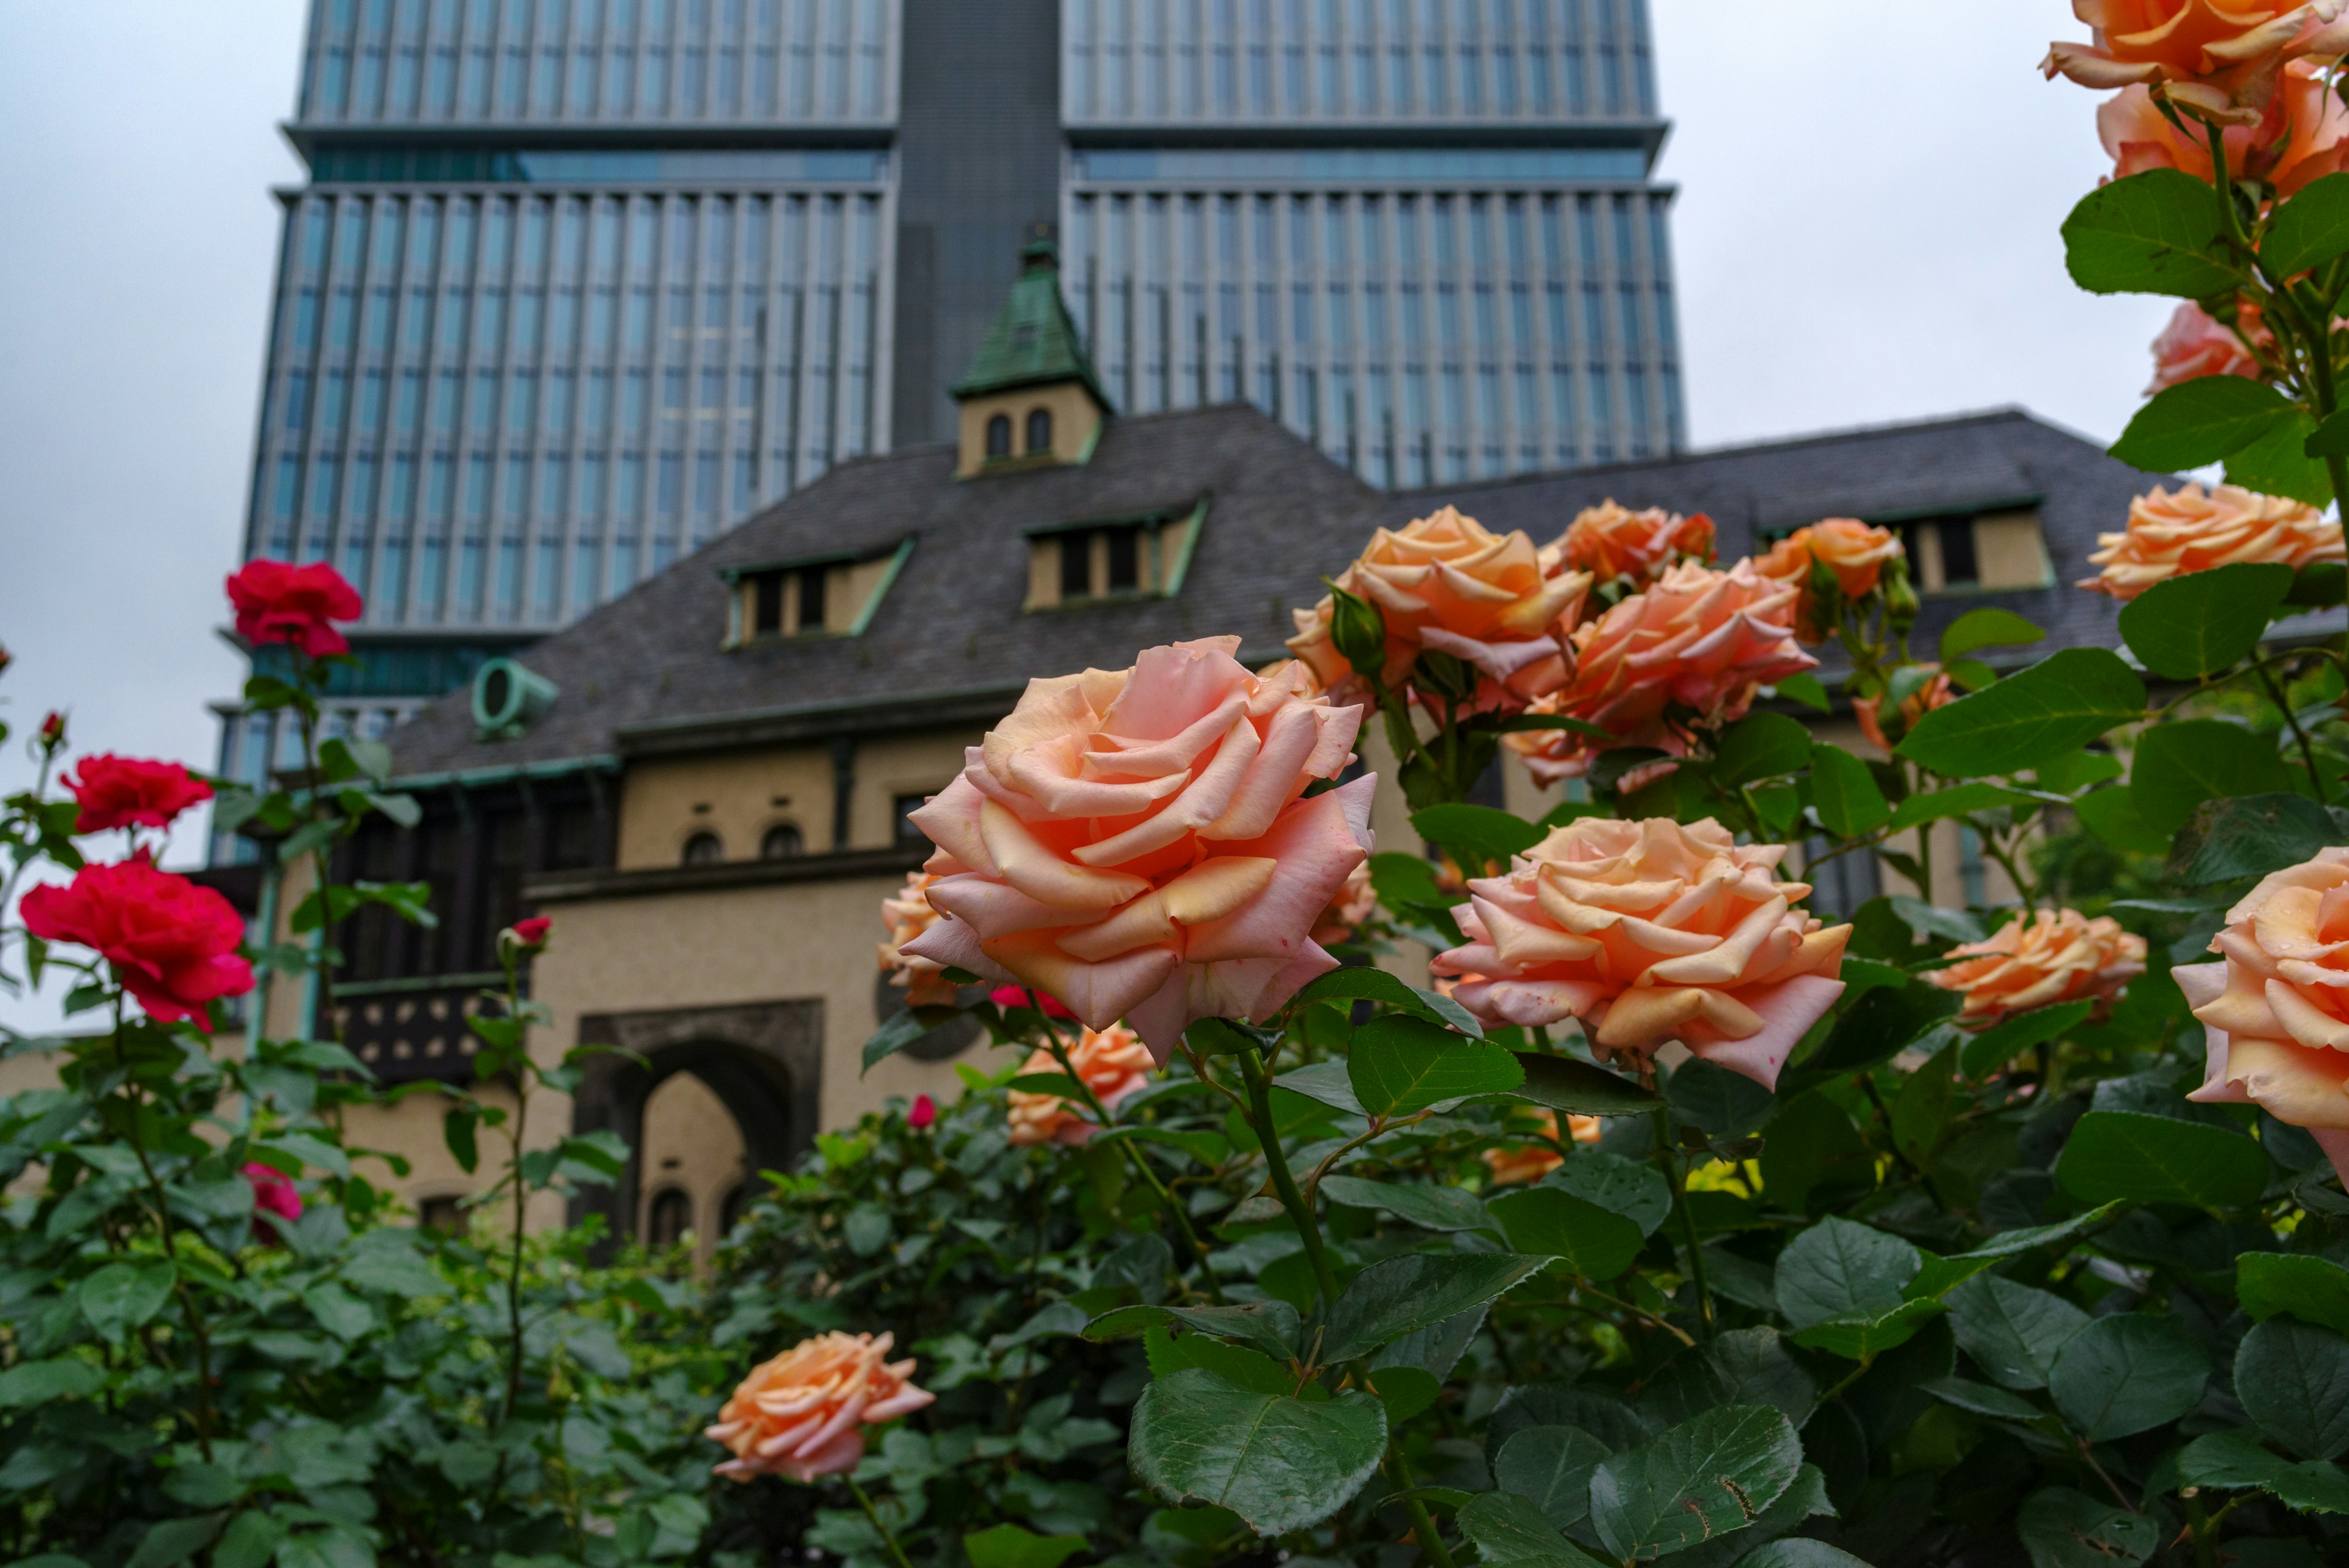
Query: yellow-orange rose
x=1446 y=582
x=1132 y=841
x=1855 y=552
x=2193 y=530
x=803 y=1414
x=1609 y=540
x=1935 y=692
x=2220 y=57
x=2276 y=1013
x=1532 y=1161
x=1692 y=651
x=2054 y=955
x=2302 y=134
x=907 y=914
x=1114 y=1065
x=1649 y=931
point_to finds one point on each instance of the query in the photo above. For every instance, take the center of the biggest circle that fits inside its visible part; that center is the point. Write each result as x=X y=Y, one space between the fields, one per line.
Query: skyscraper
x=573 y=285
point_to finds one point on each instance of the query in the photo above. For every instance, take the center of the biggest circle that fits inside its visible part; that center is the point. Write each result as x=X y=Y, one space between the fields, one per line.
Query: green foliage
x=2155 y=232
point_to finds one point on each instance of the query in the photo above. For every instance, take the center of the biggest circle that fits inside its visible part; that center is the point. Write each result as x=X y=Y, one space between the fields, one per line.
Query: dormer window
x=1113 y=558
x=829 y=596
x=1039 y=431
x=998 y=436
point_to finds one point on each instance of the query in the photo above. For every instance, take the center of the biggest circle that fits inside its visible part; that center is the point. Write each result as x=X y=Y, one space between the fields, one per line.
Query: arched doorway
x=761 y=1062
x=693 y=1157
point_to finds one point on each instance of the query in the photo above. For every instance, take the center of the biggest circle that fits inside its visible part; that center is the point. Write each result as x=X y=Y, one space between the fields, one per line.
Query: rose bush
x=128 y=791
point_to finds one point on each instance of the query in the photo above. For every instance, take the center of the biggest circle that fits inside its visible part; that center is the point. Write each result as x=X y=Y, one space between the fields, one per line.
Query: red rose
x=173 y=944
x=1021 y=996
x=278 y=603
x=532 y=933
x=923 y=1112
x=273 y=1194
x=127 y=791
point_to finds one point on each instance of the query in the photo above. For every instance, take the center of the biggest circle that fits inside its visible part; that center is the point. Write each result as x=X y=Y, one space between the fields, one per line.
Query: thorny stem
x=196 y=1328
x=522 y=1070
x=2110 y=1485
x=2307 y=752
x=1300 y=1213
x=1584 y=1287
x=1661 y=1121
x=1848 y=1378
x=1431 y=1540
x=888 y=1537
x=321 y=857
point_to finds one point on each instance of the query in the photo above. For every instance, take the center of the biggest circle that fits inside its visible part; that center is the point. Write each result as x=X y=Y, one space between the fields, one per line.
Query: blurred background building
x=575 y=285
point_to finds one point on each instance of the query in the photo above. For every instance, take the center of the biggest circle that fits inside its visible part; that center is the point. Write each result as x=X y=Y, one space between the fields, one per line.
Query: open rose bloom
x=130 y=791
x=1514 y=1163
x=1935 y=692
x=2276 y=1013
x=1134 y=843
x=173 y=944
x=2195 y=345
x=803 y=1414
x=2054 y=955
x=907 y=914
x=1701 y=641
x=2190 y=529
x=1649 y=931
x=1114 y=1065
x=2219 y=58
x=1855 y=553
x=1610 y=541
x=1446 y=582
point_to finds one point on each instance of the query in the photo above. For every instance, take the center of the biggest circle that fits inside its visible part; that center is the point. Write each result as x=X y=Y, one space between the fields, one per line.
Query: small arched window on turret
x=998 y=436
x=1039 y=430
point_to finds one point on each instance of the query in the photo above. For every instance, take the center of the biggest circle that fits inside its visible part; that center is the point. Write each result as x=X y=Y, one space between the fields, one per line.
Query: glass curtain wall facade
x=1422 y=233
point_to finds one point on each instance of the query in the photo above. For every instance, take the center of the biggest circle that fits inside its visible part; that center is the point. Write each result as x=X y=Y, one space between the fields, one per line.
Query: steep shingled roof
x=1033 y=340
x=1280 y=517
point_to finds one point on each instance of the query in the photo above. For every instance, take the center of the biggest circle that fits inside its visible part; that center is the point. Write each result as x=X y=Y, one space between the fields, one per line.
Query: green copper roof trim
x=905 y=552
x=1173 y=584
x=1033 y=340
x=482 y=778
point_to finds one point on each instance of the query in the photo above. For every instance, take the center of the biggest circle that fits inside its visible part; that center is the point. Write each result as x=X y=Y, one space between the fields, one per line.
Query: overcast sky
x=1865 y=231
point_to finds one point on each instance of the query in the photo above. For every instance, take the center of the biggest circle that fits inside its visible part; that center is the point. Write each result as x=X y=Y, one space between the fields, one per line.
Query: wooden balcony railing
x=407 y=1030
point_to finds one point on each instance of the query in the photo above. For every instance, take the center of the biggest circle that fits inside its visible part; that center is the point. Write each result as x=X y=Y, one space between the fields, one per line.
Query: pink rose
x=1134 y=843
x=1649 y=931
x=273 y=1194
x=922 y=1113
x=2193 y=345
x=2276 y=1013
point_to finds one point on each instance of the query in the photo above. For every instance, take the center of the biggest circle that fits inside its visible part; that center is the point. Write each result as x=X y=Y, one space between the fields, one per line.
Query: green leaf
x=1838 y=1269
x=1960 y=800
x=2321 y=585
x=1518 y=724
x=1430 y=1207
x=1271 y=1326
x=1551 y=1467
x=2278 y=463
x=1564 y=1083
x=1394 y=1297
x=2149 y=234
x=1874 y=1028
x=2310 y=228
x=2112 y=816
x=1279 y=1463
x=1982 y=1399
x=1009 y=1546
x=2034 y=716
x=2234 y=1460
x=2292 y=1378
x=1325 y=1083
x=903 y=1029
x=2003 y=1042
x=173 y=1542
x=1701 y=1480
x=2011 y=1330
x=1922 y=1109
x=1478 y=831
x=2159 y=1159
x=1059 y=1083
x=250 y=1541
x=2199 y=623
x=2312 y=1289
x=1805 y=689
x=1631 y=1187
x=1360 y=982
x=32 y=1383
x=338 y=1311
x=1761 y=746
x=1845 y=793
x=2179 y=765
x=1511 y=1530
x=1988 y=627
x=2200 y=422
x=2250 y=836
x=1723 y=1102
x=119 y=1297
x=2065 y=1528
x=2127 y=1373
x=1861 y=1335
x=1406 y=1391
x=1799 y=1551
x=459 y=1127
x=1595 y=1243
x=1400 y=1064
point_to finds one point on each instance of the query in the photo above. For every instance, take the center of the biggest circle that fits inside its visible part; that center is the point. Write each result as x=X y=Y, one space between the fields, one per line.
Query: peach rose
x=2192 y=530
x=2055 y=955
x=1692 y=651
x=1114 y=1065
x=1532 y=1161
x=2219 y=57
x=803 y=1414
x=1132 y=841
x=2194 y=345
x=907 y=914
x=1356 y=901
x=1445 y=582
x=1935 y=693
x=1649 y=931
x=2303 y=133
x=2276 y=1013
x=1609 y=541
x=1855 y=552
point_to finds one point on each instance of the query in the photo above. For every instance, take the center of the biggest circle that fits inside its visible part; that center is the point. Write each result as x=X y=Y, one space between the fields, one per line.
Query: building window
x=669 y=1217
x=788 y=602
x=903 y=806
x=1076 y=565
x=782 y=842
x=1124 y=550
x=1039 y=430
x=1110 y=560
x=1981 y=552
x=704 y=849
x=445 y=1215
x=998 y=436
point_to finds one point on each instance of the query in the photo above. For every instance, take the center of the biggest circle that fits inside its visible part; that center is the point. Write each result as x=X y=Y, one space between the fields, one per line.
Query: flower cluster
x=1114 y=1065
x=1134 y=842
x=2048 y=957
x=1612 y=543
x=2192 y=529
x=803 y=1414
x=1648 y=931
